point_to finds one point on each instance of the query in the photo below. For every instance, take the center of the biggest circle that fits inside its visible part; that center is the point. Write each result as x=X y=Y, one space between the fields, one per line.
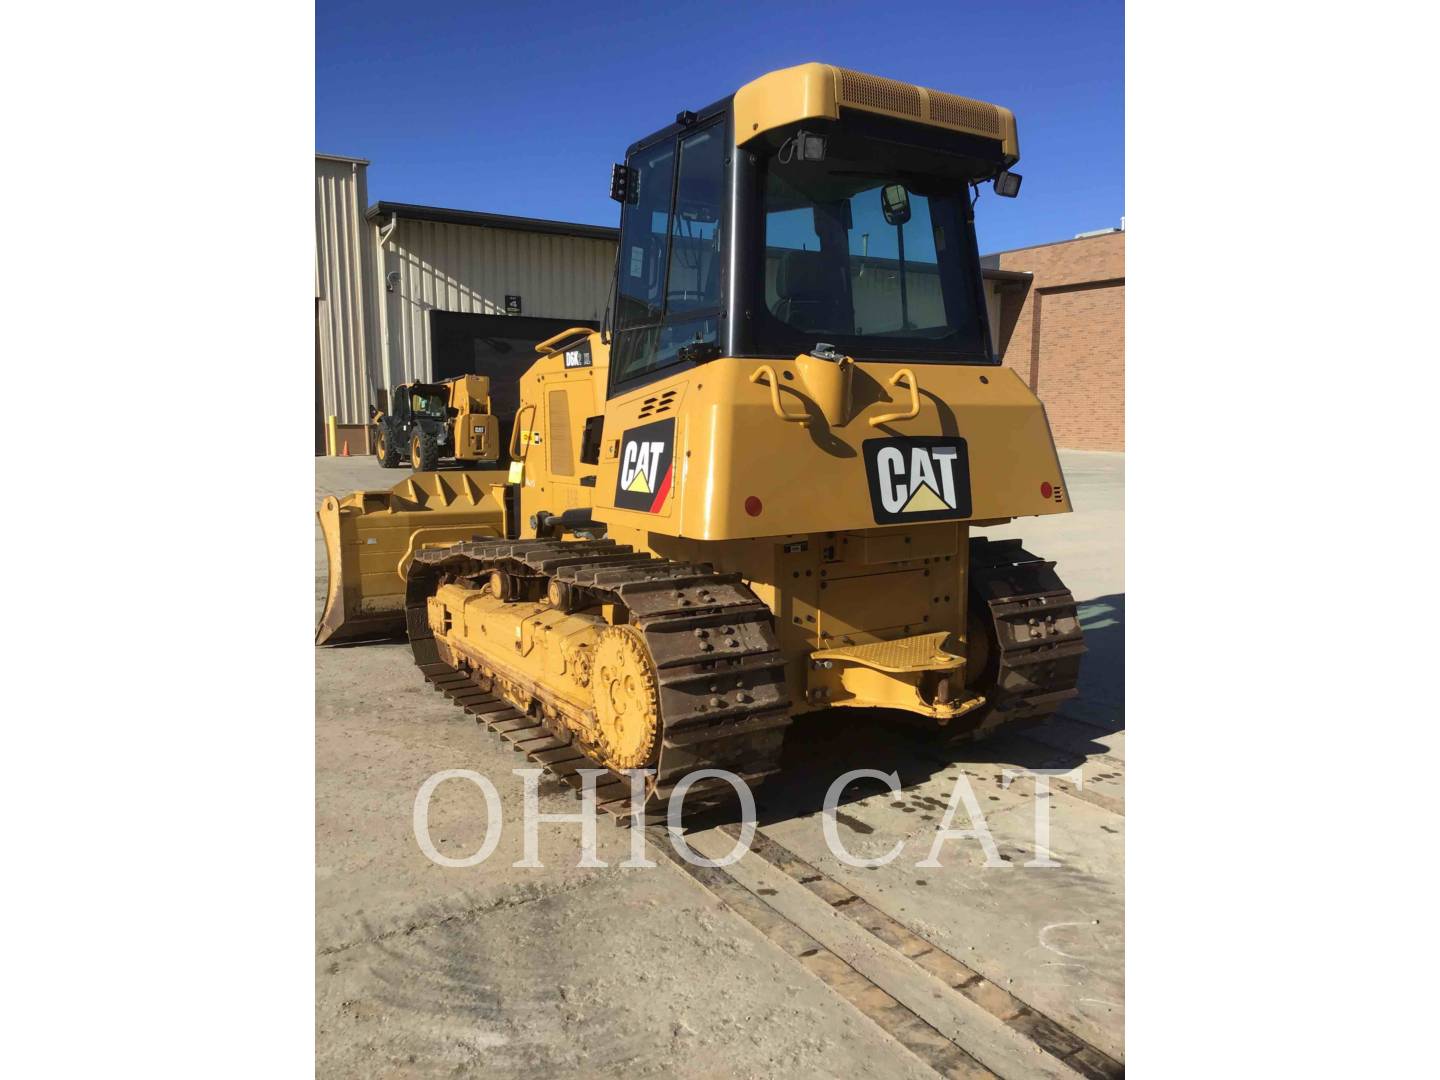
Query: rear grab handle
x=551 y=345
x=767 y=371
x=908 y=414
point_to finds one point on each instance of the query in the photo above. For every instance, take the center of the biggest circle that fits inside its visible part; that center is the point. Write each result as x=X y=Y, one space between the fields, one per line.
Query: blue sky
x=521 y=108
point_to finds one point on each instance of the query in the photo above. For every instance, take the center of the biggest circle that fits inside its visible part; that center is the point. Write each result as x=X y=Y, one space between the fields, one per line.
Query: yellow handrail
x=909 y=414
x=516 y=432
x=767 y=370
x=550 y=345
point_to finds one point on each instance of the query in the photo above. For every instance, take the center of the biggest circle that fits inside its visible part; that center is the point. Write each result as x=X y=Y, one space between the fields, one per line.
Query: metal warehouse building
x=405 y=292
x=346 y=340
x=454 y=279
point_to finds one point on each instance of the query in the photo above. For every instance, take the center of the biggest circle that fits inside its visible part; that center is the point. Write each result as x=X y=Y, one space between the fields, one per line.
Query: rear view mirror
x=895 y=201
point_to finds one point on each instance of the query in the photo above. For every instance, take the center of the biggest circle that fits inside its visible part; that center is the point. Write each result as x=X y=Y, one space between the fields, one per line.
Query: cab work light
x=809 y=146
x=1007 y=183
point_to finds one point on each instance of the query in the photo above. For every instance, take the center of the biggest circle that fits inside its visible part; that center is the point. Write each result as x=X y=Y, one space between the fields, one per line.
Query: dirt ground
x=424 y=970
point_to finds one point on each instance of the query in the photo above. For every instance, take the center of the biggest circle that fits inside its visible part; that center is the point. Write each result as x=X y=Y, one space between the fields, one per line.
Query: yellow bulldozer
x=750 y=494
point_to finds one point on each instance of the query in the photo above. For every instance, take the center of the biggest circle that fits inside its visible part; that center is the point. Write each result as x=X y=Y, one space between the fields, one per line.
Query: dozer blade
x=371 y=537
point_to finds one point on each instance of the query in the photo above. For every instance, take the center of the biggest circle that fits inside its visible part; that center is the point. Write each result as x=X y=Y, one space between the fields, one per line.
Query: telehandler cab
x=751 y=494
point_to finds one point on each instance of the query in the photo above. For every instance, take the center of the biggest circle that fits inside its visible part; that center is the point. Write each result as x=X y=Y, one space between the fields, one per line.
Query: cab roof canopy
x=820 y=91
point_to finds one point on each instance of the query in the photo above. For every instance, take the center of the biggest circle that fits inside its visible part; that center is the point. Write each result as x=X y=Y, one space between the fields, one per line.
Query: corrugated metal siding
x=470 y=269
x=346 y=322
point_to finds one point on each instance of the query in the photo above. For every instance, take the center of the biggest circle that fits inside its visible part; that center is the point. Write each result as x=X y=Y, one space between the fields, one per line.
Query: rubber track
x=724 y=703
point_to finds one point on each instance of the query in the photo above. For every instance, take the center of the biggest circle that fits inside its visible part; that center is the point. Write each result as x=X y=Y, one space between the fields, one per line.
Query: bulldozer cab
x=801 y=338
x=837 y=220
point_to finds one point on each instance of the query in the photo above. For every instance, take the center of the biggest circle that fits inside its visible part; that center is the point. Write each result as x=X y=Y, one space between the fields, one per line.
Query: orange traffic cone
x=345 y=448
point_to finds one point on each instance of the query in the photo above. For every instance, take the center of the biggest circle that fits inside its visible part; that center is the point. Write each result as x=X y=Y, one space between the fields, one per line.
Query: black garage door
x=500 y=346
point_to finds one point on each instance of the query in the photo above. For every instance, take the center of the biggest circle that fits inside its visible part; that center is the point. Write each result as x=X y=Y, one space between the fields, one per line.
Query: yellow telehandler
x=750 y=494
x=435 y=421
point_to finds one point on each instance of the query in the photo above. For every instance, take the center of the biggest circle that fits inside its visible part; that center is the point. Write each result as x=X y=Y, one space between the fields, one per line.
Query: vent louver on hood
x=654 y=406
x=889 y=95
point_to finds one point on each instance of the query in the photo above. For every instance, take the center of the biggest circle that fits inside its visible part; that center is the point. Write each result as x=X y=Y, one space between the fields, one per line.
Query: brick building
x=1062 y=328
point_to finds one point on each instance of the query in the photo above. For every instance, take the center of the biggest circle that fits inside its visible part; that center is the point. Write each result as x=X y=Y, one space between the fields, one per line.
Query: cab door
x=668 y=312
x=672 y=247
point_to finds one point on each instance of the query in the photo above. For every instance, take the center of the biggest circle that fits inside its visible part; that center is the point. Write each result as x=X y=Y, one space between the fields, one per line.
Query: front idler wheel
x=627 y=699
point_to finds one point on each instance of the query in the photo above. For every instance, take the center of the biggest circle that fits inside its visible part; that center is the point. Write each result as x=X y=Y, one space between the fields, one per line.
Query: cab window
x=642 y=239
x=872 y=256
x=669 y=293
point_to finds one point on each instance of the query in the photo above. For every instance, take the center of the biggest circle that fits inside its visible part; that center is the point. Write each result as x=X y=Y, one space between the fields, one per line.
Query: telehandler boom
x=750 y=495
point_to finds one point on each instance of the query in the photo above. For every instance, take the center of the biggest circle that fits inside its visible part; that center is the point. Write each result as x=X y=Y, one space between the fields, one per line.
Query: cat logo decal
x=918 y=479
x=646 y=467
